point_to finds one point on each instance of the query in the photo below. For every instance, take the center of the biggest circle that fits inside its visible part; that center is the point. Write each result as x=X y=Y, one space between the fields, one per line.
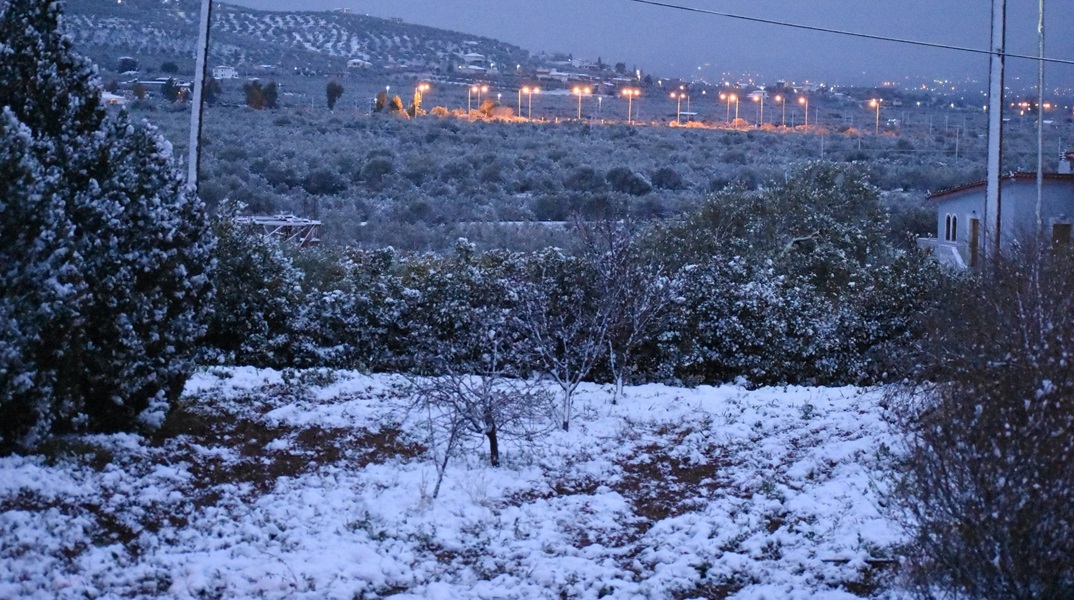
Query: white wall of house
x=1018 y=218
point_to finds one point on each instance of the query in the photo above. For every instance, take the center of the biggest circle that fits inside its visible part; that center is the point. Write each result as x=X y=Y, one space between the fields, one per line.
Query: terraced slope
x=155 y=30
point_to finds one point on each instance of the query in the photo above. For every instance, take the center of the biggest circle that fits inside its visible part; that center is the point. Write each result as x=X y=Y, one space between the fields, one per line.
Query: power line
x=867 y=36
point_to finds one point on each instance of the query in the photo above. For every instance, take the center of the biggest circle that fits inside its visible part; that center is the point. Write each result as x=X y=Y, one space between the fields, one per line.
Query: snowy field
x=318 y=485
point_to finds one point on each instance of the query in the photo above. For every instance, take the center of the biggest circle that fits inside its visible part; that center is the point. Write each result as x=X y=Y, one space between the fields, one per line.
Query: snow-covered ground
x=319 y=485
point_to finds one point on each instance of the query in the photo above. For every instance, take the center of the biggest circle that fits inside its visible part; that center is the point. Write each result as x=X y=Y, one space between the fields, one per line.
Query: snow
x=674 y=492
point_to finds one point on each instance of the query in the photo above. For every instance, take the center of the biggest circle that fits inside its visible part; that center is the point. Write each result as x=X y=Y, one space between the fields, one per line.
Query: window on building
x=947 y=229
x=954 y=228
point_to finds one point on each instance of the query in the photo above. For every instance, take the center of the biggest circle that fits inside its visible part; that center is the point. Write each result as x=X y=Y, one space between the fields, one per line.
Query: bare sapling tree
x=563 y=320
x=492 y=403
x=635 y=293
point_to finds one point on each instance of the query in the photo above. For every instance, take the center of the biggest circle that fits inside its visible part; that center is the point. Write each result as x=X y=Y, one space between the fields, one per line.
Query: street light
x=780 y=100
x=580 y=91
x=418 y=89
x=875 y=103
x=520 y=90
x=531 y=92
x=760 y=113
x=805 y=101
x=474 y=89
x=630 y=94
x=678 y=110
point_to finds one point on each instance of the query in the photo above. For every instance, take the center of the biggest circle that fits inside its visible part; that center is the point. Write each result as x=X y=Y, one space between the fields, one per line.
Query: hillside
x=319 y=485
x=153 y=31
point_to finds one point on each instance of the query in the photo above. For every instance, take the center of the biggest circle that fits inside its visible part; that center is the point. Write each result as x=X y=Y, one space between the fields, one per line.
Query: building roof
x=1012 y=176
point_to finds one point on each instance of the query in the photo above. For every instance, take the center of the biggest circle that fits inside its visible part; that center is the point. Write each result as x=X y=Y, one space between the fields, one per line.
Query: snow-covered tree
x=105 y=267
x=39 y=283
x=147 y=258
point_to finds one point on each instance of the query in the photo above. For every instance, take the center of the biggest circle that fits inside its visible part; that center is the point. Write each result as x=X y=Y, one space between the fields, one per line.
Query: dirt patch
x=664 y=479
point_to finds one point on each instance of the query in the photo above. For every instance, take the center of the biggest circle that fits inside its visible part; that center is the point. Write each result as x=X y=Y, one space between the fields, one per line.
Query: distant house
x=225 y=72
x=473 y=58
x=553 y=75
x=111 y=99
x=472 y=70
x=357 y=63
x=960 y=212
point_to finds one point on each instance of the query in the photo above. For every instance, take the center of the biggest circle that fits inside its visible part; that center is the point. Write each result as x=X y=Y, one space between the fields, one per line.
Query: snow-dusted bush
x=105 y=276
x=739 y=320
x=987 y=483
x=258 y=295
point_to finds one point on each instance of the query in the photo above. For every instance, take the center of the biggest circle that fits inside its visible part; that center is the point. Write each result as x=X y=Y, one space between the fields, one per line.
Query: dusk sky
x=676 y=43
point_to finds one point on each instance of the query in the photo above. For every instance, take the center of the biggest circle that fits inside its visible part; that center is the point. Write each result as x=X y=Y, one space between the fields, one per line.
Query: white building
x=960 y=227
x=225 y=72
x=357 y=63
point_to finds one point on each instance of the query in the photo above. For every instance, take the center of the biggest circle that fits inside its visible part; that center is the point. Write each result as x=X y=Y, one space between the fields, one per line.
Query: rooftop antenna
x=995 y=126
x=198 y=104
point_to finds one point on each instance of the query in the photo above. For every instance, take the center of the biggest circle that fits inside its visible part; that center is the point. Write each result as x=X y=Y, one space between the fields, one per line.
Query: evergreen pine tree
x=39 y=285
x=105 y=252
x=149 y=289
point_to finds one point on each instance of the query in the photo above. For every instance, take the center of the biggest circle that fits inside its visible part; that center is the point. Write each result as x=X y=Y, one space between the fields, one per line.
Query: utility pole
x=1040 y=121
x=201 y=66
x=995 y=127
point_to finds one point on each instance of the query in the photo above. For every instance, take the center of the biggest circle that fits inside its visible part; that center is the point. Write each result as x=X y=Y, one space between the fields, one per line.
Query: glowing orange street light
x=805 y=101
x=533 y=90
x=418 y=89
x=781 y=100
x=678 y=114
x=475 y=89
x=581 y=91
x=630 y=94
x=760 y=113
x=875 y=103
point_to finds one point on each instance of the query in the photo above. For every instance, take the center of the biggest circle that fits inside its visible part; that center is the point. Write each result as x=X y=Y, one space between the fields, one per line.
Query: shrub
x=988 y=484
x=667 y=178
x=622 y=179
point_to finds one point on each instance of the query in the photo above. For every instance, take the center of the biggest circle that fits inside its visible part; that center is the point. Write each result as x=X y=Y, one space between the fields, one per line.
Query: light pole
x=630 y=94
x=760 y=112
x=418 y=89
x=780 y=100
x=875 y=103
x=534 y=90
x=474 y=89
x=805 y=101
x=580 y=91
x=678 y=108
